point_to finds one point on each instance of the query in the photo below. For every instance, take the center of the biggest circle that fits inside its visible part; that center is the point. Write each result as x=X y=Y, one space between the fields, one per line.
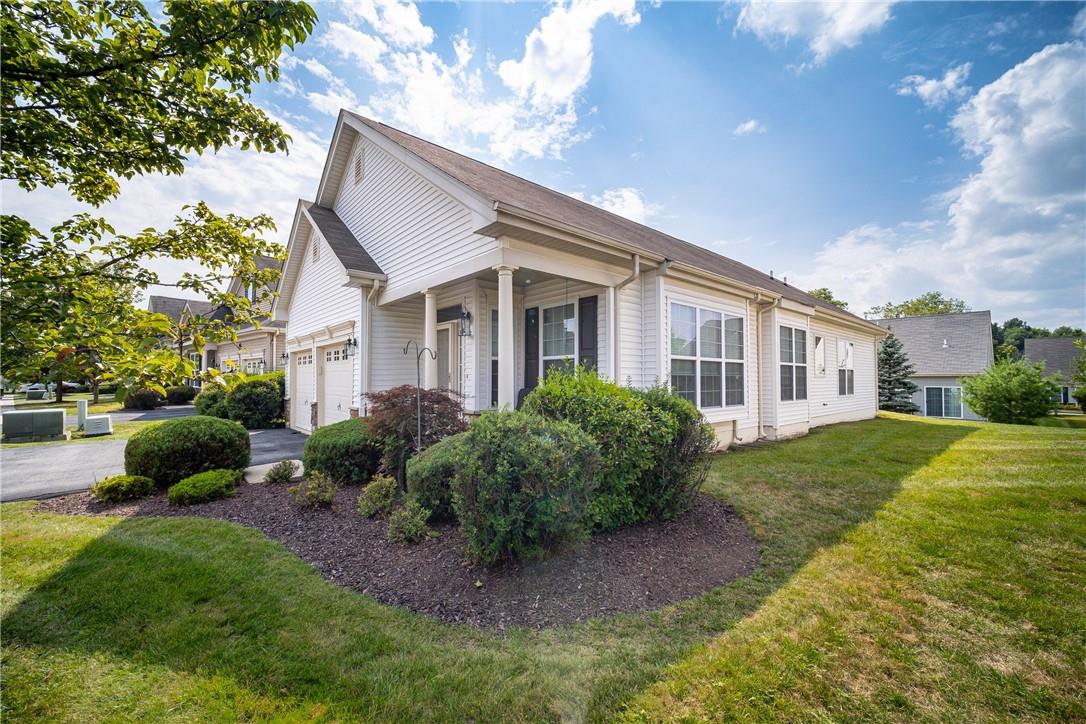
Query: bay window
x=706 y=356
x=793 y=363
x=559 y=335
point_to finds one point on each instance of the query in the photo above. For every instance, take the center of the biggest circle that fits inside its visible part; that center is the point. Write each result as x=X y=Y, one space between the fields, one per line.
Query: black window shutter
x=588 y=354
x=531 y=347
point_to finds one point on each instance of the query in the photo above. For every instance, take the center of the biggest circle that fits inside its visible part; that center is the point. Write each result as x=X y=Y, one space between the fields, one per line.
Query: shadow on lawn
x=208 y=599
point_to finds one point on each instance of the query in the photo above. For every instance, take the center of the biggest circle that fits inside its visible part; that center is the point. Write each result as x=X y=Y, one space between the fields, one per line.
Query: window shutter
x=531 y=348
x=588 y=354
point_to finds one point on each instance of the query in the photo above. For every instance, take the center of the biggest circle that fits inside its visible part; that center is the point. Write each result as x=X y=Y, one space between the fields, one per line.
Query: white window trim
x=961 y=402
x=848 y=364
x=820 y=365
x=699 y=306
x=793 y=364
x=543 y=359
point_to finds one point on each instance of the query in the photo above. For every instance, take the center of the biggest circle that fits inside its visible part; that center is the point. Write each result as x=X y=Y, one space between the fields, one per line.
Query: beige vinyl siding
x=463 y=294
x=630 y=333
x=795 y=411
x=320 y=299
x=410 y=227
x=393 y=326
x=826 y=405
x=250 y=347
x=770 y=384
x=651 y=373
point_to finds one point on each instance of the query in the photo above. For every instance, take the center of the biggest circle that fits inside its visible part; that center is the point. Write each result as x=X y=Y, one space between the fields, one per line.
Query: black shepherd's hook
x=419 y=352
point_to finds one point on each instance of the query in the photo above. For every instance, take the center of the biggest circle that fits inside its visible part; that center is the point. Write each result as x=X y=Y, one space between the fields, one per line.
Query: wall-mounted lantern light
x=283 y=359
x=465 y=322
x=350 y=347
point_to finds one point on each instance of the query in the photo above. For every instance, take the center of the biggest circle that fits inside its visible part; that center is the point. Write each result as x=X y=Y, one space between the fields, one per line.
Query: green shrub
x=317 y=490
x=117 y=488
x=257 y=402
x=523 y=486
x=393 y=416
x=142 y=400
x=430 y=474
x=282 y=472
x=407 y=525
x=184 y=446
x=1012 y=391
x=379 y=497
x=617 y=419
x=683 y=444
x=212 y=401
x=205 y=486
x=344 y=451
x=180 y=395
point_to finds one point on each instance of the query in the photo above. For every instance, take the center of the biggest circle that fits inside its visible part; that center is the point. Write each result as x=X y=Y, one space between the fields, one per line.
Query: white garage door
x=301 y=379
x=337 y=388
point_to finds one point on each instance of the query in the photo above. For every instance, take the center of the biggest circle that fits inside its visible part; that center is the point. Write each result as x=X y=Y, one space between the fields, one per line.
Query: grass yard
x=911 y=569
x=105 y=404
x=1075 y=421
x=121 y=431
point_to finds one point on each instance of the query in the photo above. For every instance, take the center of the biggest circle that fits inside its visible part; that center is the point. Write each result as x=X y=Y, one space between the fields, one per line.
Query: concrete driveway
x=44 y=471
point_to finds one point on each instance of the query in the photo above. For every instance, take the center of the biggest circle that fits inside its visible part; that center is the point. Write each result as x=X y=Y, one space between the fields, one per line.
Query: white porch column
x=507 y=393
x=429 y=339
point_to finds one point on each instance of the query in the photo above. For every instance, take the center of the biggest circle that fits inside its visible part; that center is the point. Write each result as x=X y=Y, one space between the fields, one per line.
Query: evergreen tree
x=895 y=388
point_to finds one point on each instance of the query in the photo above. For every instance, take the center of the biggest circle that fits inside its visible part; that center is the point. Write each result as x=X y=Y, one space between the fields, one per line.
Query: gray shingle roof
x=173 y=307
x=967 y=338
x=1058 y=354
x=343 y=243
x=500 y=186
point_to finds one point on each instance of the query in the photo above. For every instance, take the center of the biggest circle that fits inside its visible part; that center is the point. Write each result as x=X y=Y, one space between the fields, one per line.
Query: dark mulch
x=635 y=569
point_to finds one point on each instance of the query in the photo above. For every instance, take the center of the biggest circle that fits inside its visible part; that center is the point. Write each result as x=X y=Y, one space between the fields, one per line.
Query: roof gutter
x=764 y=305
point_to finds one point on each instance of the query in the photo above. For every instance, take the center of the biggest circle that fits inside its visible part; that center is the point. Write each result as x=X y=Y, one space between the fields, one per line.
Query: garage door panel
x=337 y=385
x=301 y=376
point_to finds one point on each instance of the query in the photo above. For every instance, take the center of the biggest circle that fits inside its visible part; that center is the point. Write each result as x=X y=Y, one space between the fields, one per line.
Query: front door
x=448 y=358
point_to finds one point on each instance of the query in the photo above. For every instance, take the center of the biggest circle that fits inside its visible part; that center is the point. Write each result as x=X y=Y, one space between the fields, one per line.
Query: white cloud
x=1078 y=25
x=625 y=201
x=1014 y=238
x=355 y=45
x=936 y=92
x=746 y=128
x=399 y=22
x=557 y=58
x=826 y=26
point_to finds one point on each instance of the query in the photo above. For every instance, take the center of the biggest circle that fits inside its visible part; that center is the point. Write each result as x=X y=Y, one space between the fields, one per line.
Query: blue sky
x=881 y=149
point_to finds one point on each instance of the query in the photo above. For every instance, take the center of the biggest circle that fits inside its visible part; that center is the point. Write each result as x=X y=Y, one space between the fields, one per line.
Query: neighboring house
x=1058 y=355
x=258 y=349
x=504 y=279
x=943 y=348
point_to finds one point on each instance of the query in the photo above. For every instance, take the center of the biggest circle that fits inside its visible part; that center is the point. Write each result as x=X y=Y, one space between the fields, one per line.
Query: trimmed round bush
x=142 y=400
x=180 y=395
x=175 y=449
x=118 y=488
x=523 y=486
x=430 y=474
x=344 y=451
x=683 y=444
x=379 y=497
x=317 y=490
x=407 y=525
x=205 y=486
x=617 y=419
x=257 y=403
x=212 y=401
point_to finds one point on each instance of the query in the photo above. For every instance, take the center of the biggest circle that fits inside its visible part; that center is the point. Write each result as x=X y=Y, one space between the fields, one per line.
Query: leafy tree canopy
x=1011 y=391
x=927 y=303
x=826 y=295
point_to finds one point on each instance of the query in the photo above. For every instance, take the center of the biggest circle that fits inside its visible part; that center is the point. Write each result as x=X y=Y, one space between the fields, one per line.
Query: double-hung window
x=706 y=356
x=943 y=401
x=559 y=333
x=793 y=343
x=846 y=376
x=493 y=357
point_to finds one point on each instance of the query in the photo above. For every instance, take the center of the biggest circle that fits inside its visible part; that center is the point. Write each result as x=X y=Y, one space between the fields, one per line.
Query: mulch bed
x=635 y=569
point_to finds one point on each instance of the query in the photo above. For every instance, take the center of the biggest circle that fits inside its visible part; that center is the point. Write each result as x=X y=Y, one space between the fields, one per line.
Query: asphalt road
x=44 y=471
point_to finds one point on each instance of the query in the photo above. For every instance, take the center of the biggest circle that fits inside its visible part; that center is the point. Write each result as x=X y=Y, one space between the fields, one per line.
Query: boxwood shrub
x=620 y=423
x=142 y=400
x=523 y=486
x=430 y=474
x=211 y=401
x=118 y=488
x=379 y=497
x=180 y=395
x=683 y=444
x=205 y=486
x=257 y=402
x=184 y=446
x=344 y=451
x=407 y=524
x=316 y=490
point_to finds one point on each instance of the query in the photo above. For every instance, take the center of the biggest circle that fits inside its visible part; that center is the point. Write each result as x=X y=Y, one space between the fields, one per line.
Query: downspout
x=635 y=274
x=364 y=338
x=761 y=397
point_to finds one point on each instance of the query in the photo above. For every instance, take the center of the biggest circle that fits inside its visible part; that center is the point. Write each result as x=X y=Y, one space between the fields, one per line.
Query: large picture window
x=706 y=356
x=943 y=401
x=793 y=345
x=559 y=336
x=846 y=375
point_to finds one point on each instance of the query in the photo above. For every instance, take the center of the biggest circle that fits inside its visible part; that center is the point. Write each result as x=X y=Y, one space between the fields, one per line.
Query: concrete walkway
x=45 y=471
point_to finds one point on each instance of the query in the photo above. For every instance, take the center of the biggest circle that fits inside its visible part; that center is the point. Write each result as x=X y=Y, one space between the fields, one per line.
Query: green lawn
x=121 y=431
x=1078 y=421
x=105 y=404
x=911 y=569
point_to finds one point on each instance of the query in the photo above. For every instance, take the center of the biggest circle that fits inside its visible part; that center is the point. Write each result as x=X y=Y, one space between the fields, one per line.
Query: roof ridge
x=928 y=316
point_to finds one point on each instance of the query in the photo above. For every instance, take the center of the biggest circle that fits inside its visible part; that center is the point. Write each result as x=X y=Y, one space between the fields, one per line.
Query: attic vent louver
x=358 y=168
